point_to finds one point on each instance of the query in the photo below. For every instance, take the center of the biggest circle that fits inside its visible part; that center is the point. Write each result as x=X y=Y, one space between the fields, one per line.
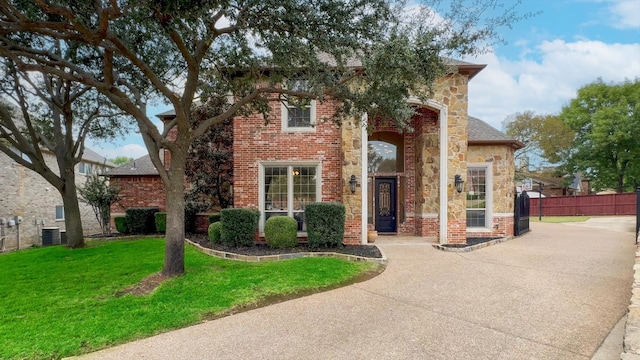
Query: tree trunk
x=72 y=218
x=174 y=237
x=620 y=186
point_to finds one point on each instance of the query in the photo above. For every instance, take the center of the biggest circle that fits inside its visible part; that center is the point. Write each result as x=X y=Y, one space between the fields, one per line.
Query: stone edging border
x=631 y=344
x=472 y=247
x=250 y=258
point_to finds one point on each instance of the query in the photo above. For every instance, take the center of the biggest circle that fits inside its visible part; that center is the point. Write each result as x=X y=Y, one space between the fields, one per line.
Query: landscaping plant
x=281 y=232
x=325 y=224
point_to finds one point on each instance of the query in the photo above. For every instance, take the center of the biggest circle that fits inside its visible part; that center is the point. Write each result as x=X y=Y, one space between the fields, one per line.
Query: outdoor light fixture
x=352 y=184
x=458 y=183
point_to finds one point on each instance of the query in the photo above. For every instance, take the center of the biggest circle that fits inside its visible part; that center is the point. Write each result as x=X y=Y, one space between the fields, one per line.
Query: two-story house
x=449 y=177
x=27 y=195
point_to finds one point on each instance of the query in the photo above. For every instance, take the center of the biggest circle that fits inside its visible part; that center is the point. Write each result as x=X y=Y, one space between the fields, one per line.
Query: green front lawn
x=57 y=302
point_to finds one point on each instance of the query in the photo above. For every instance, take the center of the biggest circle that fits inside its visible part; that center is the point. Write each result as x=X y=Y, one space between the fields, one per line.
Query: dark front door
x=386 y=205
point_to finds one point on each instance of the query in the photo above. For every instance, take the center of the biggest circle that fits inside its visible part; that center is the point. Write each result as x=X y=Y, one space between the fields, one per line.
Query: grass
x=56 y=302
x=560 y=219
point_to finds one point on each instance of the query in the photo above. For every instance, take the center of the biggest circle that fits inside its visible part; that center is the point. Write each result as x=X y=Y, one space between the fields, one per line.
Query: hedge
x=214 y=218
x=325 y=224
x=142 y=220
x=214 y=232
x=121 y=224
x=239 y=226
x=161 y=222
x=281 y=232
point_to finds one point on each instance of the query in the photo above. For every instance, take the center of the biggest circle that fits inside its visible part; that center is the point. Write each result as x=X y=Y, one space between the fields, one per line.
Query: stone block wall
x=25 y=193
x=501 y=158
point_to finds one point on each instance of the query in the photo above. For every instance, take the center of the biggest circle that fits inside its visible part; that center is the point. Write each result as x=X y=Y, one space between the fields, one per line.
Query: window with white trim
x=59 y=212
x=285 y=190
x=298 y=114
x=478 y=196
x=85 y=168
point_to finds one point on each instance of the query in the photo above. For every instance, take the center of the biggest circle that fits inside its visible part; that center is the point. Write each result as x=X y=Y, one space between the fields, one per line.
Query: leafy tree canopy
x=368 y=54
x=606 y=122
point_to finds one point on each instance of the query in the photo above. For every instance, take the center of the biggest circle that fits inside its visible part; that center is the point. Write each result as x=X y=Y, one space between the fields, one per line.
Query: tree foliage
x=45 y=114
x=245 y=49
x=100 y=196
x=121 y=160
x=606 y=122
x=547 y=140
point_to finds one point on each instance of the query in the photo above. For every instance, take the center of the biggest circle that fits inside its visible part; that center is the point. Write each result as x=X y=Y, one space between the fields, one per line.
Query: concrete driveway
x=554 y=293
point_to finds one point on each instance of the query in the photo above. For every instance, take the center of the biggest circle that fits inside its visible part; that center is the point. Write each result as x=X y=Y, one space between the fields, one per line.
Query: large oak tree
x=245 y=49
x=42 y=114
x=606 y=122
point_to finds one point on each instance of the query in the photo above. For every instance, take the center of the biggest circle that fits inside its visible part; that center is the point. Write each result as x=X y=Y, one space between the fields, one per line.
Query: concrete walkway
x=554 y=293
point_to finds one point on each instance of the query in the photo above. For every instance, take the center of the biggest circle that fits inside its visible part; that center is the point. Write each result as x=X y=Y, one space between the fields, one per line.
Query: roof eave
x=515 y=144
x=470 y=70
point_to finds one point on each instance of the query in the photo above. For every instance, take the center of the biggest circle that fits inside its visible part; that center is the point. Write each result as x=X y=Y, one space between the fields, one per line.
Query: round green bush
x=281 y=232
x=214 y=232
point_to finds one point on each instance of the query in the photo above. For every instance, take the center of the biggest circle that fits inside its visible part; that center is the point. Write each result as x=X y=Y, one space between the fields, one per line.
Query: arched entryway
x=385 y=169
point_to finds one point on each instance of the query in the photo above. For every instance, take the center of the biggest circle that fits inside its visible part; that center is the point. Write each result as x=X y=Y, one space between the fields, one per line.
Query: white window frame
x=82 y=168
x=285 y=118
x=488 y=210
x=290 y=165
x=61 y=207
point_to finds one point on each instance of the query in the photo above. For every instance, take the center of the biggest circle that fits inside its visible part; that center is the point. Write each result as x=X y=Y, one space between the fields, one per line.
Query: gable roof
x=481 y=133
x=139 y=167
x=91 y=156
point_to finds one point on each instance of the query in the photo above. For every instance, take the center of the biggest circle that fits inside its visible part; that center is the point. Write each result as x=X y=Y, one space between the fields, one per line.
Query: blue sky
x=546 y=59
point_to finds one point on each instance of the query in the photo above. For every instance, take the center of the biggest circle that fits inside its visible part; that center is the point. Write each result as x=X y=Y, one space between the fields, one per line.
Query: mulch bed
x=471 y=242
x=368 y=251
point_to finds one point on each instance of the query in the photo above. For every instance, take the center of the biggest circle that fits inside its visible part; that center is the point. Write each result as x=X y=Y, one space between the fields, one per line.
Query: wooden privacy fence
x=611 y=204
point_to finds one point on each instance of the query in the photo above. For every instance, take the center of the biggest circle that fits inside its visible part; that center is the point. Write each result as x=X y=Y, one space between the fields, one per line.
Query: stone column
x=351 y=143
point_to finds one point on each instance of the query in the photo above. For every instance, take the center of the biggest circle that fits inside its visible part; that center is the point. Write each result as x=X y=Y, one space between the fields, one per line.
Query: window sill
x=299 y=129
x=478 y=229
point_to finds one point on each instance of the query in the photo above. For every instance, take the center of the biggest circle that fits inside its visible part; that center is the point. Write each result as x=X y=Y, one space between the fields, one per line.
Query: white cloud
x=626 y=14
x=130 y=150
x=544 y=86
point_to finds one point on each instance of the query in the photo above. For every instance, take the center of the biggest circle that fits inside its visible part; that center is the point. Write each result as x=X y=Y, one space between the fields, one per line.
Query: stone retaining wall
x=631 y=349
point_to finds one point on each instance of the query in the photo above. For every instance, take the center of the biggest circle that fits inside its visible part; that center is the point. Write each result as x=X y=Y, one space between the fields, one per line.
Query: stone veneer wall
x=351 y=146
x=451 y=91
x=25 y=193
x=502 y=159
x=255 y=142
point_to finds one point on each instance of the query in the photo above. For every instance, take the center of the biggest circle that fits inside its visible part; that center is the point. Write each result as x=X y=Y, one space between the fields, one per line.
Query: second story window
x=298 y=114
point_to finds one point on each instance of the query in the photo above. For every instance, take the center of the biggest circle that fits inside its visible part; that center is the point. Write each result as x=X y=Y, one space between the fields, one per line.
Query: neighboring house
x=404 y=180
x=568 y=185
x=26 y=194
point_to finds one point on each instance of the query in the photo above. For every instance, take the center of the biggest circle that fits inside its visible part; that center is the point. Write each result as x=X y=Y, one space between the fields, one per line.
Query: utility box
x=50 y=236
x=63 y=237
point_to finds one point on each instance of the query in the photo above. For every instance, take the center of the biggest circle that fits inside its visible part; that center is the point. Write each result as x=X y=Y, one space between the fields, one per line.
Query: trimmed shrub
x=142 y=220
x=238 y=226
x=121 y=224
x=214 y=232
x=281 y=232
x=161 y=222
x=214 y=218
x=325 y=224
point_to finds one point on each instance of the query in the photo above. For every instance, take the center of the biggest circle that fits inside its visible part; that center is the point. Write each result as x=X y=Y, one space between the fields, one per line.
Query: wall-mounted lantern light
x=352 y=184
x=458 y=183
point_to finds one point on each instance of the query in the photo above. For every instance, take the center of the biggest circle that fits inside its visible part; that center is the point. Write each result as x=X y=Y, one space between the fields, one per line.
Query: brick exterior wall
x=256 y=142
x=138 y=191
x=25 y=193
